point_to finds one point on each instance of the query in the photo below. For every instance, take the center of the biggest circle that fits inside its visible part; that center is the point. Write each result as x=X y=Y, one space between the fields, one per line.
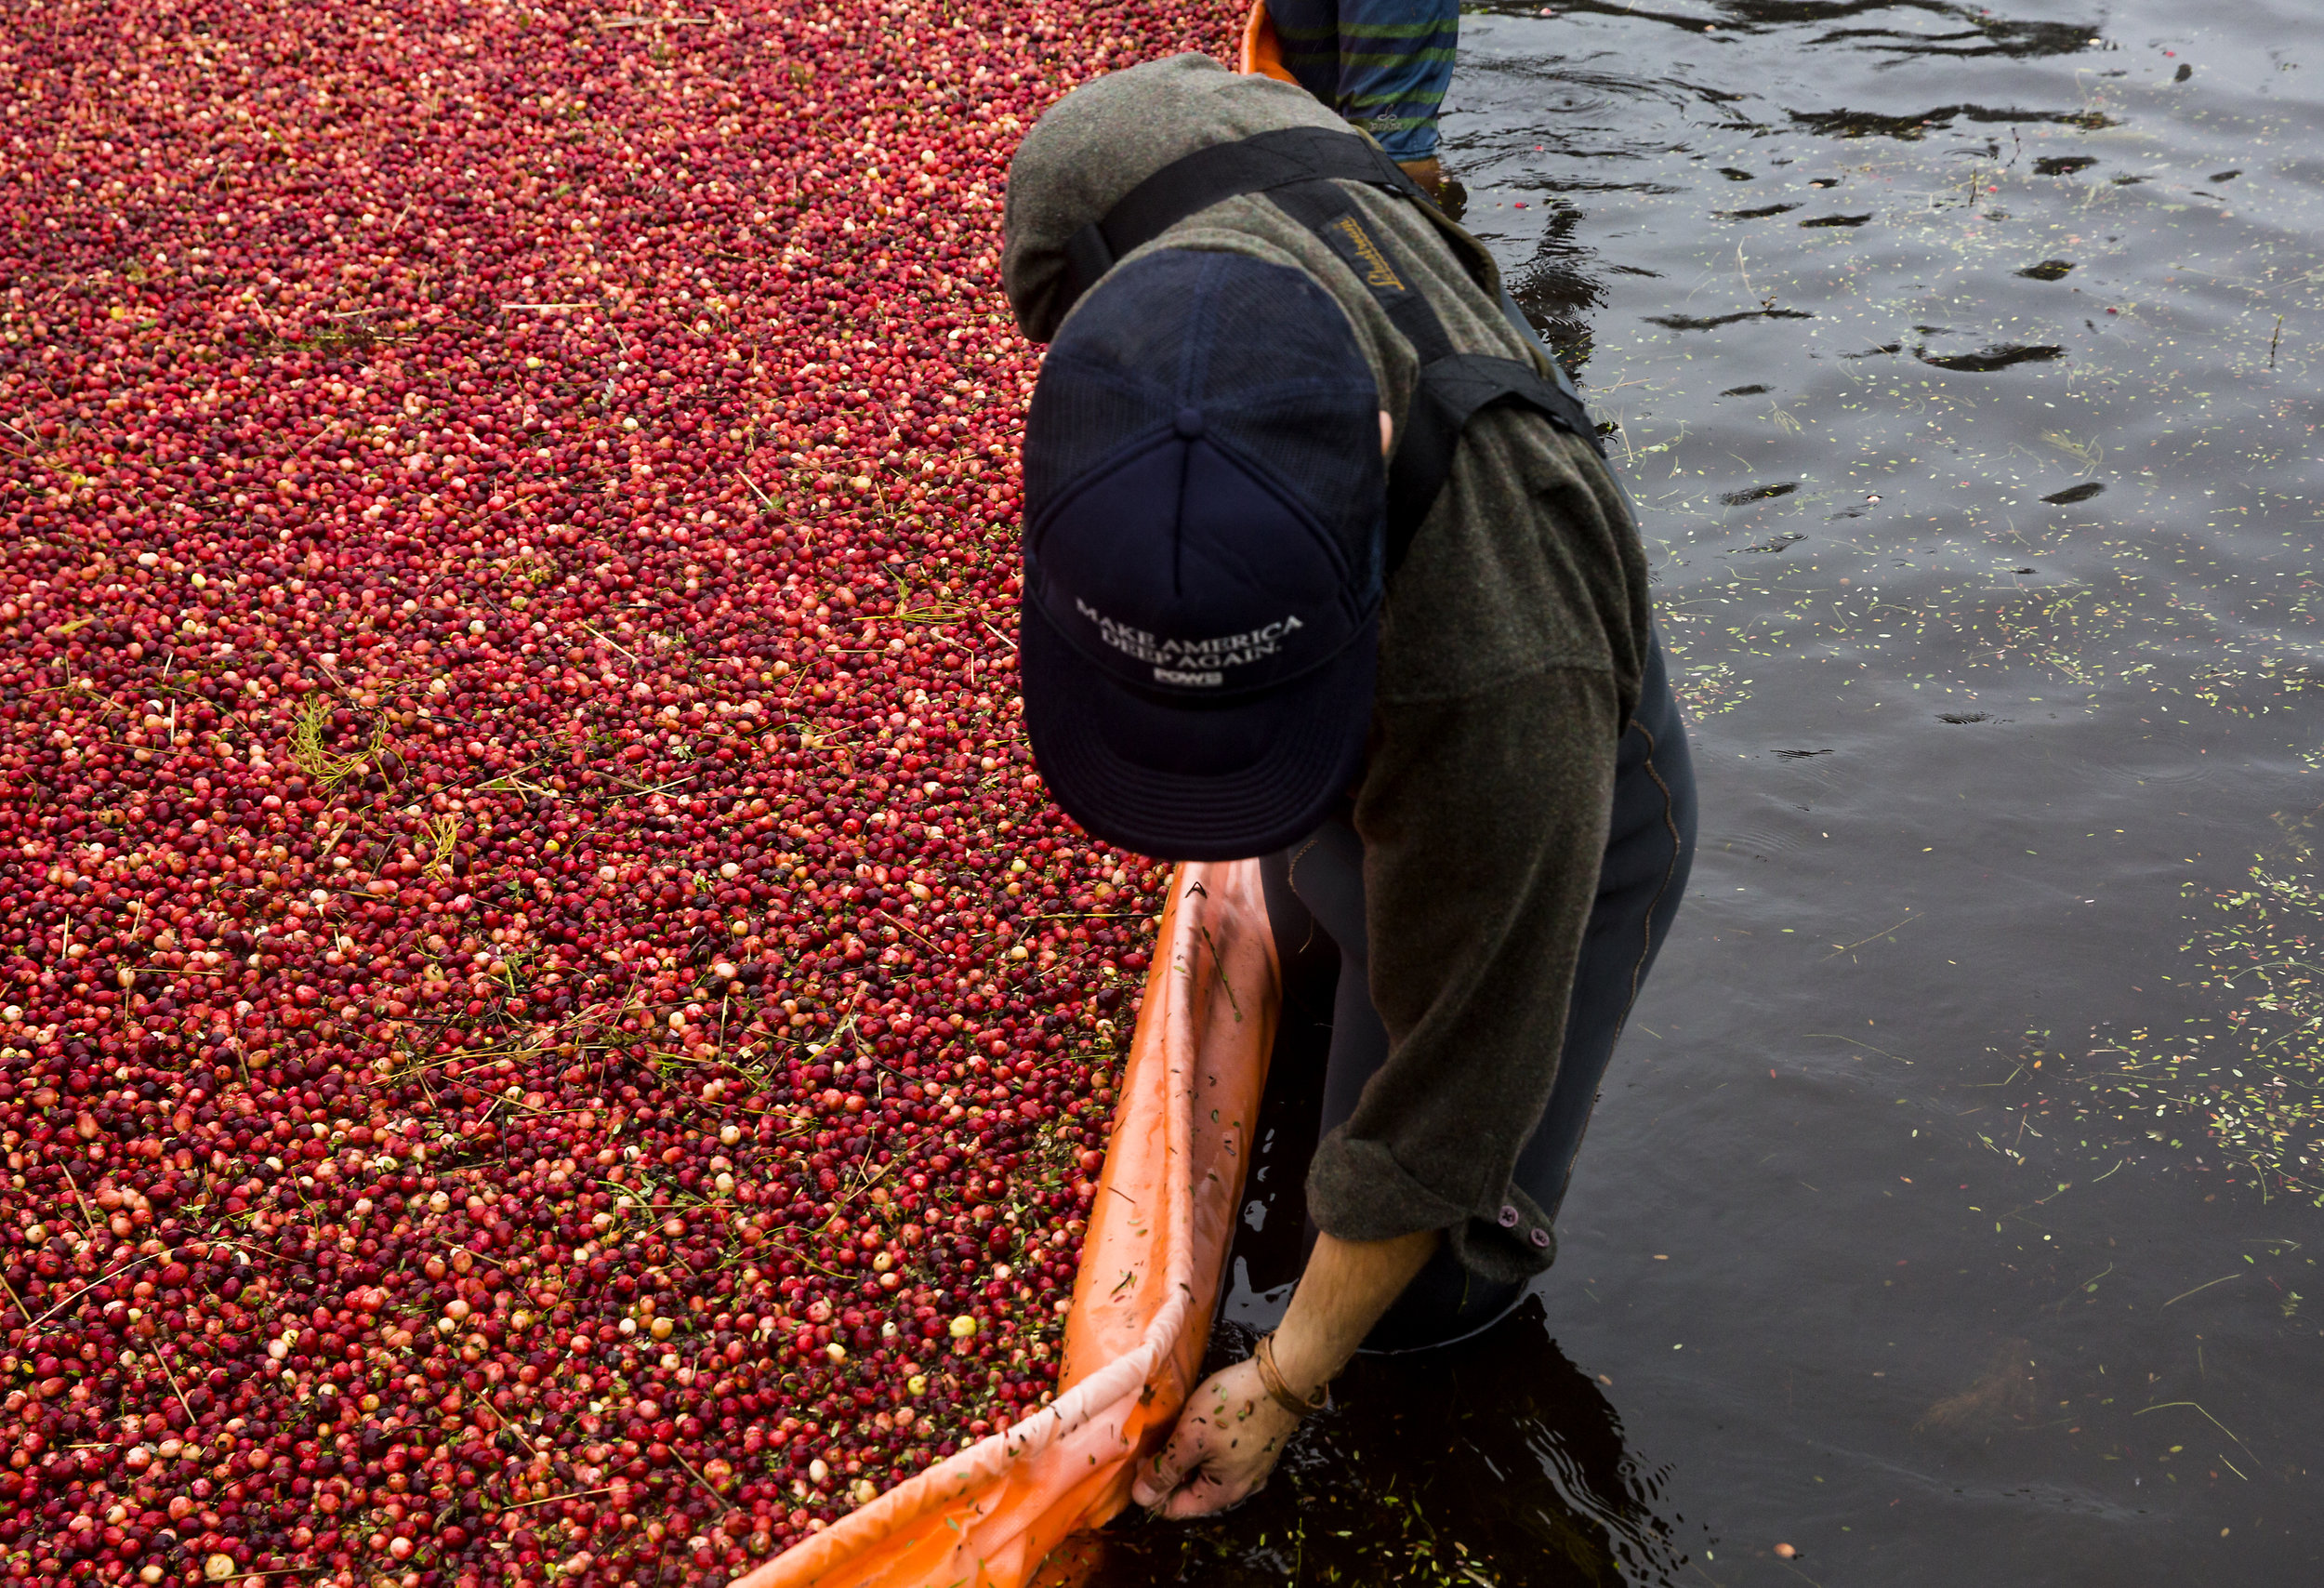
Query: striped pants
x=1383 y=64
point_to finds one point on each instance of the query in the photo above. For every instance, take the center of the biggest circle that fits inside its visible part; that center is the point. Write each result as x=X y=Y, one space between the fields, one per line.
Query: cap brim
x=1194 y=780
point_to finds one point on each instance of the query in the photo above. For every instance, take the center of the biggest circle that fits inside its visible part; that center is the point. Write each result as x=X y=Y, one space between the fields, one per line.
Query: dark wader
x=1319 y=882
x=1315 y=906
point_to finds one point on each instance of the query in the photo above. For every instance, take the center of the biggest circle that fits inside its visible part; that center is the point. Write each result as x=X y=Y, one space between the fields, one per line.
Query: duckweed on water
x=2248 y=1077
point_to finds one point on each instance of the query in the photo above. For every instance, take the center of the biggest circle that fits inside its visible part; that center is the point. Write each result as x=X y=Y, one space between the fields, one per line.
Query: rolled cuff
x=1356 y=1190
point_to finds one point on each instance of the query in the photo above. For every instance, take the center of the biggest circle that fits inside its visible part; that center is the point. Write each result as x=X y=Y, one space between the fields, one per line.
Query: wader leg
x=1650 y=847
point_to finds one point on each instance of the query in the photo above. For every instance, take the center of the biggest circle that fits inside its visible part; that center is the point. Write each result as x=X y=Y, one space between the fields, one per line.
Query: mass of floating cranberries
x=549 y=1029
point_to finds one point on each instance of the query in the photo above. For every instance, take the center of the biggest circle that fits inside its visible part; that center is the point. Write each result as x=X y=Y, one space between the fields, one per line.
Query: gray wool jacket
x=1512 y=643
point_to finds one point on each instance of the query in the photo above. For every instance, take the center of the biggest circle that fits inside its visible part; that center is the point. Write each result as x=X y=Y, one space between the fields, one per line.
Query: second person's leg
x=1395 y=64
x=1307 y=31
x=1383 y=64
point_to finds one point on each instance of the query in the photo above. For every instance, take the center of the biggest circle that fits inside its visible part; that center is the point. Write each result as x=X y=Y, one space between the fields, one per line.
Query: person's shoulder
x=1190 y=87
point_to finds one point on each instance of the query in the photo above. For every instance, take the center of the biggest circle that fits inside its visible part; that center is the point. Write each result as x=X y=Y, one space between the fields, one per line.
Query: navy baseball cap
x=1205 y=504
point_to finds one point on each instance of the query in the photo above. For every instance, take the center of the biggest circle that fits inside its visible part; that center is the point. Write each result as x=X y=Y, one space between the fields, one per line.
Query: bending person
x=1321 y=565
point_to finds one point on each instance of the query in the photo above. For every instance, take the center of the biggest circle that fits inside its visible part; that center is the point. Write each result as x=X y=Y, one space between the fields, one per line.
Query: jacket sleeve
x=1478 y=886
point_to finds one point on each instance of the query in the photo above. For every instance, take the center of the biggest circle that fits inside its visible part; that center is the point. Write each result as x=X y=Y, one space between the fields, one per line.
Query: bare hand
x=1226 y=1442
x=1232 y=1433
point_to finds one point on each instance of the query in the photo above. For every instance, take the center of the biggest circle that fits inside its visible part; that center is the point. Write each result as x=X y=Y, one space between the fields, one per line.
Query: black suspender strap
x=1194 y=182
x=1328 y=213
x=1453 y=388
x=1295 y=168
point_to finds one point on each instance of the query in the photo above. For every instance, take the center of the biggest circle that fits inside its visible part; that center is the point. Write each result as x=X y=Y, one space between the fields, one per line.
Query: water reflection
x=1555 y=292
x=1959 y=30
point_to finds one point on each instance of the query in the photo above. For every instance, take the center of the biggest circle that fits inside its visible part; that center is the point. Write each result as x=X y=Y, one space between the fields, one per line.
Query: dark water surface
x=1951 y=1212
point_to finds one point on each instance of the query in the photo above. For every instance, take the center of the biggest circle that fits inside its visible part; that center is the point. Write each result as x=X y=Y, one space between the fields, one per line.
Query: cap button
x=1188 y=423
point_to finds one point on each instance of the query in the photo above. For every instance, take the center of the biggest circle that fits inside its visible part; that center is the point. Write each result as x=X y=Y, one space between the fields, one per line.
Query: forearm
x=1347 y=1286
